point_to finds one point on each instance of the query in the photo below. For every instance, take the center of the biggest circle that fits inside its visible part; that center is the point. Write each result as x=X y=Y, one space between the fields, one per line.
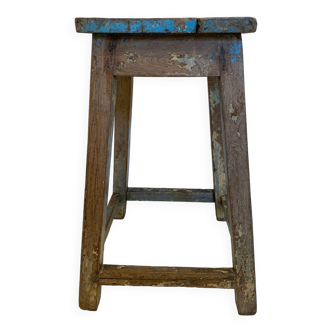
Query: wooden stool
x=184 y=47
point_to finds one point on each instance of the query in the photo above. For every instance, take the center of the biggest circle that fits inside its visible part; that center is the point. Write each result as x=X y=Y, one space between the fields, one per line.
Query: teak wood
x=185 y=47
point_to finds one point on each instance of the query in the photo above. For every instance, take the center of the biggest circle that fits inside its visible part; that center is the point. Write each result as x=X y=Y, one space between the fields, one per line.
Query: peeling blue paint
x=124 y=39
x=162 y=26
x=139 y=26
x=97 y=42
x=212 y=57
x=235 y=50
x=109 y=210
x=135 y=26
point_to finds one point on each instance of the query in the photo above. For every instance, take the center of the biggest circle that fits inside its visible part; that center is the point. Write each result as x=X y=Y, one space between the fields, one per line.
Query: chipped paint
x=231 y=109
x=238 y=228
x=190 y=62
x=214 y=99
x=234 y=118
x=235 y=50
x=131 y=57
x=138 y=26
x=164 y=26
x=97 y=42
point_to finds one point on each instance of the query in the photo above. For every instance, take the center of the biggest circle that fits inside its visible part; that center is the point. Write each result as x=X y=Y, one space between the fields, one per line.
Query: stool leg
x=101 y=117
x=122 y=141
x=237 y=171
x=216 y=130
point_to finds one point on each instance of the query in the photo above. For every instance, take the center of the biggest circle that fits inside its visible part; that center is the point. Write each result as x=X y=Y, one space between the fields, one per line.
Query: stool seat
x=166 y=25
x=179 y=47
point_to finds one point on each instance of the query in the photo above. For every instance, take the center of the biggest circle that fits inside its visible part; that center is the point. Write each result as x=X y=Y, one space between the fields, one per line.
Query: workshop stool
x=184 y=47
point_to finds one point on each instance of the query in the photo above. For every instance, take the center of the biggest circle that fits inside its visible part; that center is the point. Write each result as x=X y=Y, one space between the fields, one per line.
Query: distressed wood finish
x=123 y=110
x=101 y=115
x=136 y=25
x=121 y=49
x=170 y=195
x=234 y=117
x=168 y=55
x=111 y=211
x=166 y=25
x=166 y=276
x=218 y=160
x=226 y=25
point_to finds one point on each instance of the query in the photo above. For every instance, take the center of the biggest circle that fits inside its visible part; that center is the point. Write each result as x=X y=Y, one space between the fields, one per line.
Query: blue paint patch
x=97 y=42
x=212 y=57
x=135 y=26
x=109 y=210
x=124 y=40
x=190 y=26
x=164 y=26
x=235 y=50
x=233 y=29
x=139 y=26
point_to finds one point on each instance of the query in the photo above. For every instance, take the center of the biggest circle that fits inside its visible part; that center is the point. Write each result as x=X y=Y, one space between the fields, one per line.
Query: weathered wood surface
x=237 y=164
x=101 y=115
x=166 y=276
x=136 y=25
x=166 y=25
x=111 y=211
x=123 y=110
x=226 y=25
x=218 y=158
x=168 y=55
x=170 y=195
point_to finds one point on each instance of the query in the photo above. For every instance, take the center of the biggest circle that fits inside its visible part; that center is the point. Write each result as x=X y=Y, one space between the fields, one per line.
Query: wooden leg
x=216 y=125
x=101 y=117
x=237 y=172
x=122 y=142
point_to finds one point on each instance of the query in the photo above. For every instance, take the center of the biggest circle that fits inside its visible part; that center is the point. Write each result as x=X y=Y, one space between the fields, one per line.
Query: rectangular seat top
x=166 y=25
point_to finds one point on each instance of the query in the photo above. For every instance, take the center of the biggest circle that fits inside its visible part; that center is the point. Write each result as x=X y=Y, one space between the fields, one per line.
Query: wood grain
x=239 y=201
x=170 y=195
x=166 y=276
x=101 y=115
x=123 y=111
x=168 y=55
x=218 y=158
x=111 y=211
